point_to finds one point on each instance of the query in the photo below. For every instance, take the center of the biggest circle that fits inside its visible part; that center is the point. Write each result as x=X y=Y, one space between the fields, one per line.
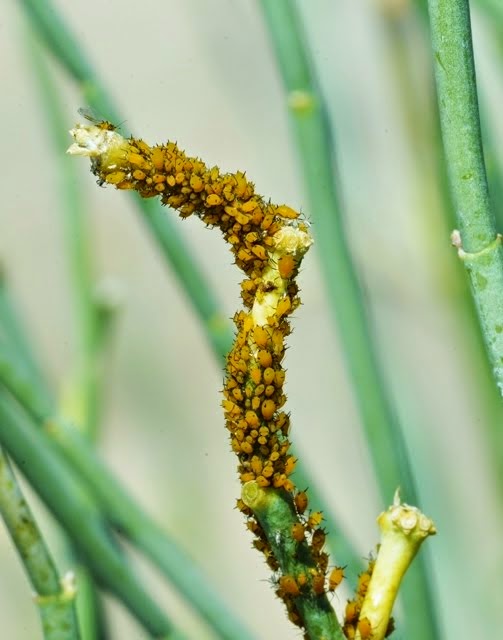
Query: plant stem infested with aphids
x=268 y=243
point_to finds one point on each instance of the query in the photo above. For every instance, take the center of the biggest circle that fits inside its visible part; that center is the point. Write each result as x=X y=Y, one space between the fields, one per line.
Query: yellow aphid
x=268 y=408
x=269 y=375
x=247 y=477
x=138 y=160
x=287 y=212
x=259 y=251
x=246 y=447
x=248 y=207
x=264 y=358
x=261 y=336
x=256 y=465
x=262 y=482
x=138 y=174
x=335 y=578
x=279 y=378
x=157 y=158
x=315 y=519
x=242 y=218
x=213 y=200
x=268 y=471
x=256 y=375
x=284 y=306
x=252 y=418
x=290 y=465
x=270 y=390
x=196 y=183
x=365 y=628
x=115 y=177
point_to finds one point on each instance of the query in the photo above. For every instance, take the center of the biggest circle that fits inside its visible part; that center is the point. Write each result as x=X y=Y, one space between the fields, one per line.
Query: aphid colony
x=263 y=239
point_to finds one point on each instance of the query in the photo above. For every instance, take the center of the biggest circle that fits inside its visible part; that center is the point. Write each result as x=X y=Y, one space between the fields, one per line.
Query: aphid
x=335 y=578
x=268 y=408
x=289 y=586
x=318 y=584
x=286 y=266
x=290 y=465
x=351 y=612
x=91 y=116
x=264 y=358
x=298 y=532
x=301 y=501
x=365 y=628
x=318 y=540
x=315 y=519
x=287 y=212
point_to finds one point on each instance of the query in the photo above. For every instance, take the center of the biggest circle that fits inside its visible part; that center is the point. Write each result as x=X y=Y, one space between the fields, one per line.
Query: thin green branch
x=56 y=483
x=386 y=441
x=55 y=599
x=81 y=393
x=13 y=334
x=479 y=247
x=123 y=513
x=59 y=38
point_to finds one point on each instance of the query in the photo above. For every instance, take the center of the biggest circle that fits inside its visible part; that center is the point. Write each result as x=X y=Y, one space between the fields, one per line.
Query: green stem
x=386 y=441
x=479 y=246
x=74 y=508
x=60 y=40
x=128 y=517
x=55 y=598
x=276 y=514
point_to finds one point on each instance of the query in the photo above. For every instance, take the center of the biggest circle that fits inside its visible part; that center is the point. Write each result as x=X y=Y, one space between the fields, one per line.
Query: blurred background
x=204 y=74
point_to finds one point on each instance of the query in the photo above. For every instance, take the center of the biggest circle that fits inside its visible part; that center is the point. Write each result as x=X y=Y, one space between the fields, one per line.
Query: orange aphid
x=289 y=586
x=286 y=266
x=301 y=501
x=298 y=532
x=365 y=628
x=335 y=578
x=351 y=612
x=318 y=583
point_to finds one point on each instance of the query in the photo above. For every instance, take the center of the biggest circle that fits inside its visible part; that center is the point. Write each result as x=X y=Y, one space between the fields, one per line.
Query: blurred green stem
x=121 y=511
x=72 y=505
x=314 y=139
x=61 y=41
x=55 y=599
x=479 y=247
